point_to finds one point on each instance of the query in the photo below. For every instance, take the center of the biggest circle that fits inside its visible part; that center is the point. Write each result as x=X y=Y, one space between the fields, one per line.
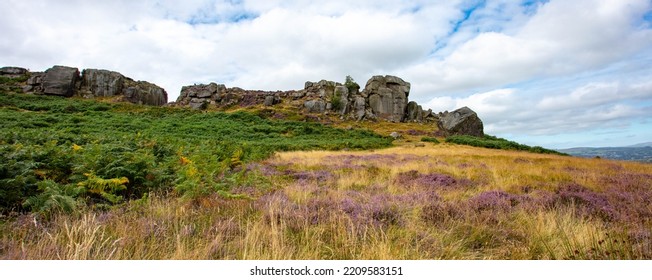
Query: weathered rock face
x=66 y=81
x=34 y=83
x=101 y=83
x=322 y=89
x=360 y=106
x=414 y=112
x=388 y=97
x=340 y=100
x=315 y=106
x=141 y=92
x=463 y=121
x=60 y=80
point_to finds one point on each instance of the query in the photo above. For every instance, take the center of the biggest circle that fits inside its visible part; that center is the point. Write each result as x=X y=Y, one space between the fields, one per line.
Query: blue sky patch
x=530 y=7
x=647 y=17
x=467 y=13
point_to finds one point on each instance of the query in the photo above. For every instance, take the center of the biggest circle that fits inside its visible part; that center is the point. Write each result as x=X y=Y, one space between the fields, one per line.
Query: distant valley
x=640 y=152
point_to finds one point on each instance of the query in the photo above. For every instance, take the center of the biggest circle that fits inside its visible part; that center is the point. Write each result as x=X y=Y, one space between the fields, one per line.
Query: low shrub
x=493 y=142
x=430 y=139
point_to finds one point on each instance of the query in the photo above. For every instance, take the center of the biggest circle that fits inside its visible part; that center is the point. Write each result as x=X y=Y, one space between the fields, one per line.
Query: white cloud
x=563 y=37
x=589 y=107
x=597 y=94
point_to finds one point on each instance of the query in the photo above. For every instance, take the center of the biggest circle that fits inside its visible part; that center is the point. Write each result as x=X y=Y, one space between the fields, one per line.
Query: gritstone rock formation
x=383 y=98
x=67 y=81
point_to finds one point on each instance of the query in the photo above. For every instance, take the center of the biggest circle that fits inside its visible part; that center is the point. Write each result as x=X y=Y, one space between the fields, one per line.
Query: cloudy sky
x=552 y=73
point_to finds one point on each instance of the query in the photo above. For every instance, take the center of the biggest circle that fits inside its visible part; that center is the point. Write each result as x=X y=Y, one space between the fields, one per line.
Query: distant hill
x=640 y=152
x=640 y=145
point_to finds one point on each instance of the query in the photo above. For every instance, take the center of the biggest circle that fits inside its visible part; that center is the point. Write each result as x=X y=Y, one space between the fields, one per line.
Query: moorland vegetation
x=89 y=179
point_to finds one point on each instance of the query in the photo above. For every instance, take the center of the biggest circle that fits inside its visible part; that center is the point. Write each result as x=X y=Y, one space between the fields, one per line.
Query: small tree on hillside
x=351 y=84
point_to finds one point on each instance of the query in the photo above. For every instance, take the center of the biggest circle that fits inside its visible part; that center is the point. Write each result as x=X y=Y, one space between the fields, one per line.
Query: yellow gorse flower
x=185 y=160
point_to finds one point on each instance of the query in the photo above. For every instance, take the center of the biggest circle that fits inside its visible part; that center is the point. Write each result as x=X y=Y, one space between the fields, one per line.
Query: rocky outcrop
x=383 y=98
x=463 y=121
x=67 y=81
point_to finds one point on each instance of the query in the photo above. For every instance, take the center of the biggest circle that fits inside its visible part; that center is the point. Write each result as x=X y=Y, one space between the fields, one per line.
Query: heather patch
x=585 y=201
x=315 y=175
x=497 y=201
x=429 y=181
x=438 y=212
x=263 y=169
x=358 y=159
x=627 y=182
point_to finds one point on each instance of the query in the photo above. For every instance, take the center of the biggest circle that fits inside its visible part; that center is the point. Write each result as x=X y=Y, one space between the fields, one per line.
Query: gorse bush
x=493 y=142
x=57 y=152
x=430 y=139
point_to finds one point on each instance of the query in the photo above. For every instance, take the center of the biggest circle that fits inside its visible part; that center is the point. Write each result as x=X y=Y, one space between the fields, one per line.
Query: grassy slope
x=440 y=201
x=52 y=146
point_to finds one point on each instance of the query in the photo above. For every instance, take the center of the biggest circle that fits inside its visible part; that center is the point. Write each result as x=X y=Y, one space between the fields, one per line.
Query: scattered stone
x=395 y=135
x=269 y=100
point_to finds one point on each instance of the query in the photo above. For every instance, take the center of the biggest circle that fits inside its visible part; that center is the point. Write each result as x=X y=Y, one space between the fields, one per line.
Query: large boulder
x=388 y=97
x=140 y=92
x=60 y=80
x=315 y=106
x=102 y=83
x=463 y=121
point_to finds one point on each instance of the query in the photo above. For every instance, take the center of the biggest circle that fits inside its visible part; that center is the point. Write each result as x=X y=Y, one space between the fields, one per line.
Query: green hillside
x=64 y=153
